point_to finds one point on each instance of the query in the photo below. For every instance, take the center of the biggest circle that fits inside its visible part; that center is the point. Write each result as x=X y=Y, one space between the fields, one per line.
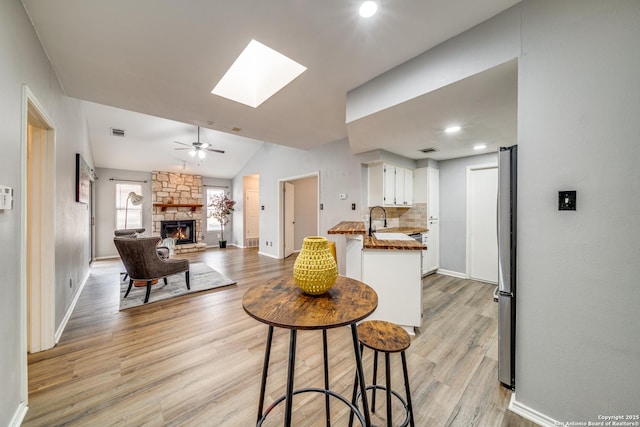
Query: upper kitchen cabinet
x=433 y=193
x=390 y=185
x=420 y=185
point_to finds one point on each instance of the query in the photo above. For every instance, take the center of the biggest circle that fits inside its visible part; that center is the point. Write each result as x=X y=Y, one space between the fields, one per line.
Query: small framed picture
x=83 y=176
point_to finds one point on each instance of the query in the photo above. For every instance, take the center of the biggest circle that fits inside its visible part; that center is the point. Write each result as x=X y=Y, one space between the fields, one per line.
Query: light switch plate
x=567 y=200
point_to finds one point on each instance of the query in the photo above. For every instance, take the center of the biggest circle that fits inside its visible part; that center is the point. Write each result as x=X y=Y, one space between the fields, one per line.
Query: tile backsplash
x=415 y=216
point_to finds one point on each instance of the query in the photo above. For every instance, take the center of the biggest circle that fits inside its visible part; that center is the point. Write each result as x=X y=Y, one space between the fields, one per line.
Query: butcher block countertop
x=348 y=227
x=358 y=227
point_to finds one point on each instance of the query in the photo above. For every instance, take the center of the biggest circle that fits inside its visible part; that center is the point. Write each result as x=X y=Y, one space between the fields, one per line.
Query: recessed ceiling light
x=368 y=9
x=452 y=129
x=480 y=146
x=257 y=74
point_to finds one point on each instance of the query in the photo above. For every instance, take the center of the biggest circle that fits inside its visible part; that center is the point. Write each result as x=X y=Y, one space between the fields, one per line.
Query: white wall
x=23 y=61
x=340 y=172
x=478 y=49
x=105 y=206
x=578 y=129
x=453 y=209
x=577 y=351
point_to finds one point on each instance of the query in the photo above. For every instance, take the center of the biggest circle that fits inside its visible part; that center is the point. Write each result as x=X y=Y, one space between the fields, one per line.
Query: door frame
x=470 y=170
x=44 y=328
x=289 y=235
x=281 y=182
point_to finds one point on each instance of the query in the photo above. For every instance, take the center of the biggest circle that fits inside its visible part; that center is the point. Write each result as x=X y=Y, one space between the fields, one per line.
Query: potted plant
x=221 y=208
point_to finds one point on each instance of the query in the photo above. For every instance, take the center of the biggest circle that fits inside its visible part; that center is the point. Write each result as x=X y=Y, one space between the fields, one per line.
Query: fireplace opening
x=183 y=231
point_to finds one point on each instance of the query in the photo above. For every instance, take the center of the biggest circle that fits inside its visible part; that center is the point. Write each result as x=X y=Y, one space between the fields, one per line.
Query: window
x=133 y=213
x=212 y=223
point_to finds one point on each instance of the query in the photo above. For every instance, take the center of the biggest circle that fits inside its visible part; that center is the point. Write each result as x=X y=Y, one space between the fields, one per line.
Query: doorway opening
x=299 y=211
x=251 y=217
x=37 y=244
x=40 y=223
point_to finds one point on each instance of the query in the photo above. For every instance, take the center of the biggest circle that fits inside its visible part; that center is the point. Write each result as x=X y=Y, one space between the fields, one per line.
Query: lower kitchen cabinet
x=395 y=276
x=431 y=260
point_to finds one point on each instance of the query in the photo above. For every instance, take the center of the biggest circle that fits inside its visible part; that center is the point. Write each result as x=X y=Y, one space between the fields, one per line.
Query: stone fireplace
x=177 y=202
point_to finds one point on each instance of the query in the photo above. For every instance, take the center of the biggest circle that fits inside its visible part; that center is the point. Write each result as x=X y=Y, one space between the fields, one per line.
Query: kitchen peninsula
x=390 y=262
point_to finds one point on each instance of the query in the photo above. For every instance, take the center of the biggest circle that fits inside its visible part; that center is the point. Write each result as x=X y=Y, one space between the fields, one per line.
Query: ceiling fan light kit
x=198 y=147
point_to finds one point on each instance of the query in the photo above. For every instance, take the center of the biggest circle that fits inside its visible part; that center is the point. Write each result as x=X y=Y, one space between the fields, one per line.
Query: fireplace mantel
x=163 y=206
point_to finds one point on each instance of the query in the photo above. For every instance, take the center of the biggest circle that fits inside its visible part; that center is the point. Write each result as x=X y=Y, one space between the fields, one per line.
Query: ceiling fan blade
x=182 y=148
x=182 y=143
x=215 y=151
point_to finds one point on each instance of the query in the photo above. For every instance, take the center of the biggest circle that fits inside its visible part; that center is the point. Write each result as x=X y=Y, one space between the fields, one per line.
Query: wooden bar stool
x=385 y=337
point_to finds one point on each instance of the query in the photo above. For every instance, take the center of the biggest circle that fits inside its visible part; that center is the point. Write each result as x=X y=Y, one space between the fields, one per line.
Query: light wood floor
x=197 y=360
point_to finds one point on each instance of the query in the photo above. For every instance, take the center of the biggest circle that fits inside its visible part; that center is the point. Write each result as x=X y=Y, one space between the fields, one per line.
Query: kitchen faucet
x=371 y=211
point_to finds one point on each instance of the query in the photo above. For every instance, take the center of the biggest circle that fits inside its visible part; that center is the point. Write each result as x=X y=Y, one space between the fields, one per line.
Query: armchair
x=143 y=263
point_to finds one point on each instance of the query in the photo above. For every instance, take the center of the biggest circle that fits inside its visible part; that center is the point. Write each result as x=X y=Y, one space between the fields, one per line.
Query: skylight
x=257 y=74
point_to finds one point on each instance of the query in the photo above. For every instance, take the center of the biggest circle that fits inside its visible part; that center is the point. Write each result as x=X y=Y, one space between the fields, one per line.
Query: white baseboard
x=452 y=273
x=19 y=415
x=72 y=306
x=101 y=258
x=269 y=255
x=531 y=414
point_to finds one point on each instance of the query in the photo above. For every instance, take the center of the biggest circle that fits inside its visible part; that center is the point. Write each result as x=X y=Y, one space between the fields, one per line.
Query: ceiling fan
x=198 y=148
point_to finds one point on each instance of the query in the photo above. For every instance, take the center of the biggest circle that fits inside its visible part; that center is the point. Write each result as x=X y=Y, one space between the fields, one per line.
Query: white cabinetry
x=433 y=193
x=420 y=185
x=395 y=276
x=390 y=185
x=425 y=254
x=433 y=247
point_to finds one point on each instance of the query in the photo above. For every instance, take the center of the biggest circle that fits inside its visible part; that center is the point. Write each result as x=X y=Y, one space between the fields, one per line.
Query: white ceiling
x=162 y=58
x=149 y=145
x=484 y=105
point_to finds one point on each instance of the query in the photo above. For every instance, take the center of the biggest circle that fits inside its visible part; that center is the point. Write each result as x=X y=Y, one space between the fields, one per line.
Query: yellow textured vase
x=315 y=270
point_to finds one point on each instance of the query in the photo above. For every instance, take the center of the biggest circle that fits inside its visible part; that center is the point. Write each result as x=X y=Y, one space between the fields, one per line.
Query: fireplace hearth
x=183 y=231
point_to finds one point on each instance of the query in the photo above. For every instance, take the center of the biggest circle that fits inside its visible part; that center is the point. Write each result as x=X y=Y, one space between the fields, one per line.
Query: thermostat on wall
x=6 y=197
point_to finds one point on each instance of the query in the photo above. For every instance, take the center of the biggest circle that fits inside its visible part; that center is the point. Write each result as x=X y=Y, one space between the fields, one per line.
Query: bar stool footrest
x=402 y=400
x=354 y=409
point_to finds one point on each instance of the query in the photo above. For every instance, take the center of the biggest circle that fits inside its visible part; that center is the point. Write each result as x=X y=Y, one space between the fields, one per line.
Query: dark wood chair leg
x=265 y=372
x=407 y=388
x=129 y=288
x=146 y=298
x=388 y=384
x=325 y=353
x=375 y=379
x=186 y=278
x=355 y=391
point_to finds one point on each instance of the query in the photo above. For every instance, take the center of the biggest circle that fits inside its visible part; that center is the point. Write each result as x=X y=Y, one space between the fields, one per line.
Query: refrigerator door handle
x=495 y=294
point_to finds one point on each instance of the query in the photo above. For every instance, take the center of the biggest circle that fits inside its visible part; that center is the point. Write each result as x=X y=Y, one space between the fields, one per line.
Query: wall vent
x=117 y=132
x=429 y=150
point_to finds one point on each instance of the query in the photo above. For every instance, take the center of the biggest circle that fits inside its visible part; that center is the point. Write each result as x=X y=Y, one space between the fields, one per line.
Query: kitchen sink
x=392 y=236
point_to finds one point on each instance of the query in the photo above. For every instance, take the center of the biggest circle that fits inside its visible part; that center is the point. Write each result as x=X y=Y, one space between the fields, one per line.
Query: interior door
x=289 y=218
x=482 y=187
x=252 y=209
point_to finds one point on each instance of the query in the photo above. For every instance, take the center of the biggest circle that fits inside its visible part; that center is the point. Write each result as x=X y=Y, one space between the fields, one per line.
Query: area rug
x=201 y=278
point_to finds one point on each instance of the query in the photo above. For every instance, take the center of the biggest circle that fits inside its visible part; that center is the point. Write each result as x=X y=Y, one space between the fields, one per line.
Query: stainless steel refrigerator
x=505 y=293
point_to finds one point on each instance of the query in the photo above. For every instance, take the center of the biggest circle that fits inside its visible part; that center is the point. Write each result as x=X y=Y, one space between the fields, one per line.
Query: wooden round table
x=280 y=303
